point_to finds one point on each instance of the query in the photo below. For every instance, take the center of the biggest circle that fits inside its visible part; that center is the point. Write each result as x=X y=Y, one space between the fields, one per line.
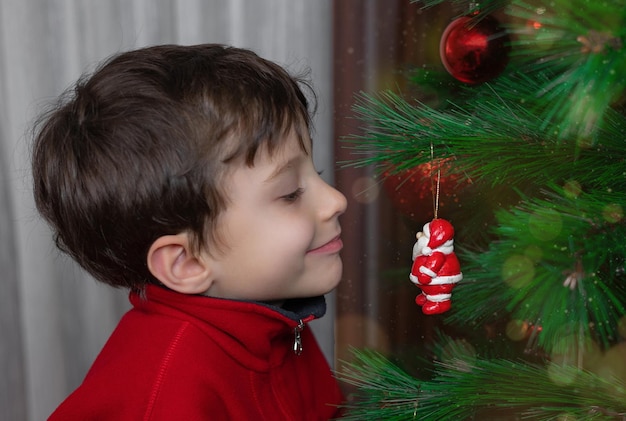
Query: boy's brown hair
x=139 y=149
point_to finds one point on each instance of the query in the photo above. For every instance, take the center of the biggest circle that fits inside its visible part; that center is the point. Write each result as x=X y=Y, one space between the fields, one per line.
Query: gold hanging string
x=434 y=189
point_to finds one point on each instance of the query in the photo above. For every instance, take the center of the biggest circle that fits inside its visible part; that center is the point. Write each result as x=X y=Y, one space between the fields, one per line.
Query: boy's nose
x=335 y=203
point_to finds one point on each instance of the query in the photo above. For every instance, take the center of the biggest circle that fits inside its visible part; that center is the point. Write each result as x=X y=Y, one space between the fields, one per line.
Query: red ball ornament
x=412 y=191
x=474 y=51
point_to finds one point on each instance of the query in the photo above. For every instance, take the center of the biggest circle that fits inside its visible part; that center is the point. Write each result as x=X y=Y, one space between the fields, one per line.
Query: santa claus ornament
x=436 y=269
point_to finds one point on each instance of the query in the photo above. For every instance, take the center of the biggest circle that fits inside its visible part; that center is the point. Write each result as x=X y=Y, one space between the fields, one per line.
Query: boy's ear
x=171 y=261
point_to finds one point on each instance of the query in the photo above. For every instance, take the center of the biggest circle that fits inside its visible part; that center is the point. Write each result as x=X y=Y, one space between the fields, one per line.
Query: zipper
x=297 y=342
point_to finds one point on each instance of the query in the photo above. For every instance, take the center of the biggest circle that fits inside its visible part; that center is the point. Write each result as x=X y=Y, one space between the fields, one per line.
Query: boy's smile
x=280 y=229
x=333 y=246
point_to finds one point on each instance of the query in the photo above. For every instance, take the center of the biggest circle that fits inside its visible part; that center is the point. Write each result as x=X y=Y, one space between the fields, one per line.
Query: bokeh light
x=518 y=271
x=621 y=327
x=613 y=213
x=365 y=190
x=572 y=189
x=534 y=253
x=561 y=375
x=545 y=224
x=516 y=330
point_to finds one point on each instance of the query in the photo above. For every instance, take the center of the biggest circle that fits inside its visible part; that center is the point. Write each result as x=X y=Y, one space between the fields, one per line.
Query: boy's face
x=280 y=228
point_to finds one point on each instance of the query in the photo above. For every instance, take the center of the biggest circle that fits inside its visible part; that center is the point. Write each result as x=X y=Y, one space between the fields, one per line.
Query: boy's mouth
x=333 y=246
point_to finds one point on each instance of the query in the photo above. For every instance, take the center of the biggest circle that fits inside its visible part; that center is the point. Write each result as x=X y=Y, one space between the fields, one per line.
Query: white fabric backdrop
x=54 y=319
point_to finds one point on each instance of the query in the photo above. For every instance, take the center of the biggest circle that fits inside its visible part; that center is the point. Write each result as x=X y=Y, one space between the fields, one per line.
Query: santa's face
x=418 y=247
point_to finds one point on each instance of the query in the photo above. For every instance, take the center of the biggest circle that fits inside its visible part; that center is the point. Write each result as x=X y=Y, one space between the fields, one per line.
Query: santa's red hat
x=438 y=232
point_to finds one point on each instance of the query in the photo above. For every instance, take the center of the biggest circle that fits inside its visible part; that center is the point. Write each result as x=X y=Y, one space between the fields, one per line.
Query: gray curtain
x=54 y=318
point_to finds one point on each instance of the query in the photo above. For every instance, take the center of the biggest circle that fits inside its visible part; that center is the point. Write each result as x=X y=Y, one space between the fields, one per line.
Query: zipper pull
x=297 y=343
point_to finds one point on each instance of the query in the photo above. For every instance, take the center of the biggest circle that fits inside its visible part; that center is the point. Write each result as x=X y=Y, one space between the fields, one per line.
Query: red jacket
x=183 y=357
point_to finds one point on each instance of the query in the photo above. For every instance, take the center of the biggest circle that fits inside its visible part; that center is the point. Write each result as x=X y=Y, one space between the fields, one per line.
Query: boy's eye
x=295 y=195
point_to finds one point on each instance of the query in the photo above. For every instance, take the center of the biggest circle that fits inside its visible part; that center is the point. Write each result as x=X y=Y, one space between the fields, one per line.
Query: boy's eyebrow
x=282 y=168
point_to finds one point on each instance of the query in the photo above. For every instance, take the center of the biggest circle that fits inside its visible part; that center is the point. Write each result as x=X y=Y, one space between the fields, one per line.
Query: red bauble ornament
x=411 y=191
x=474 y=51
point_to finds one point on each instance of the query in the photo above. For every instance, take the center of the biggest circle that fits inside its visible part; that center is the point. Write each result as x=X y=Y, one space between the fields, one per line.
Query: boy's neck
x=276 y=303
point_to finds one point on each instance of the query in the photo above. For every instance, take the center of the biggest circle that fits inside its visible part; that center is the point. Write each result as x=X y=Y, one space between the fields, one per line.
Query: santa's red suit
x=436 y=268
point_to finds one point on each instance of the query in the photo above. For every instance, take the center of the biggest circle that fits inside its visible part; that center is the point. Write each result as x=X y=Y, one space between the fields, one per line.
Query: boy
x=185 y=174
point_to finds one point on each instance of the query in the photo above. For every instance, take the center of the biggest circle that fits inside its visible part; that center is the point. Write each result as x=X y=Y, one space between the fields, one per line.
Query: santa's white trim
x=437 y=298
x=426 y=271
x=445 y=248
x=438 y=280
x=451 y=279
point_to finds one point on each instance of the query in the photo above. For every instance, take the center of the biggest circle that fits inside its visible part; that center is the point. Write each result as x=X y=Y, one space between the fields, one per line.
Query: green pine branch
x=492 y=137
x=558 y=262
x=479 y=389
x=580 y=42
x=383 y=388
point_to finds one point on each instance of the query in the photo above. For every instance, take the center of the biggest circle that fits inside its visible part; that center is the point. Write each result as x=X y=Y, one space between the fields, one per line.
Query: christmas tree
x=527 y=158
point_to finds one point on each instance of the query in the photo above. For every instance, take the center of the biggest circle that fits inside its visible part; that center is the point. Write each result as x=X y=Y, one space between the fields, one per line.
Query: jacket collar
x=257 y=335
